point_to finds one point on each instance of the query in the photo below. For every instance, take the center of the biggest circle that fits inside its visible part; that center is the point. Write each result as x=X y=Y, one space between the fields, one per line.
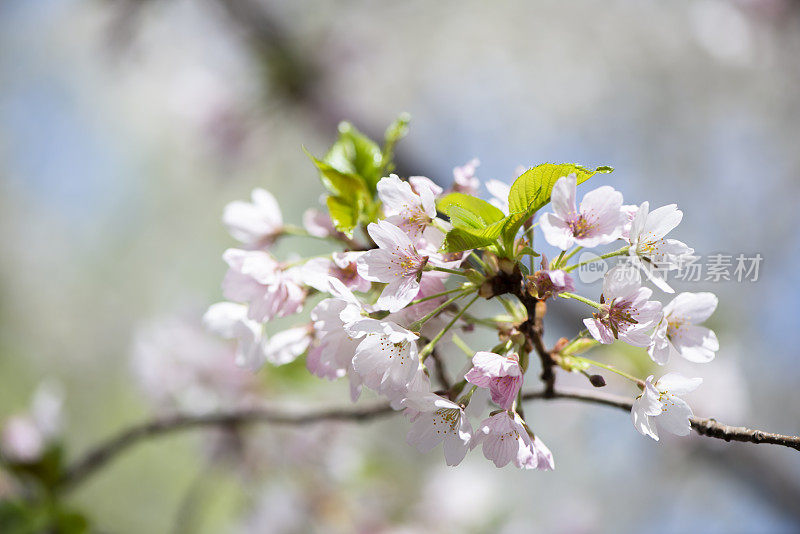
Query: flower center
x=447 y=418
x=581 y=226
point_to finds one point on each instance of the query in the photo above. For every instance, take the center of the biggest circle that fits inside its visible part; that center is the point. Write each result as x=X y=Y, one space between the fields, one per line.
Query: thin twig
x=106 y=451
x=99 y=456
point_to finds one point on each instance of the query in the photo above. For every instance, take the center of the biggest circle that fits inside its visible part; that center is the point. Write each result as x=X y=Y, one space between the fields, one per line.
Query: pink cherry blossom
x=625 y=312
x=229 y=321
x=660 y=402
x=546 y=283
x=331 y=354
x=419 y=183
x=386 y=359
x=464 y=179
x=598 y=221
x=650 y=250
x=410 y=211
x=396 y=262
x=502 y=375
x=26 y=436
x=505 y=438
x=439 y=420
x=628 y=214
x=256 y=223
x=679 y=333
x=341 y=265
x=319 y=224
x=287 y=345
x=257 y=278
x=180 y=365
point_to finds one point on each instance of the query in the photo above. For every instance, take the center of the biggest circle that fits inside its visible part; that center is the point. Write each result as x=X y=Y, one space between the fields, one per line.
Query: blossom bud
x=560 y=344
x=597 y=381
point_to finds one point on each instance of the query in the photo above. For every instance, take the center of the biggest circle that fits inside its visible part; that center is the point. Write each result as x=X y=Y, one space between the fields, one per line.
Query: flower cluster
x=386 y=305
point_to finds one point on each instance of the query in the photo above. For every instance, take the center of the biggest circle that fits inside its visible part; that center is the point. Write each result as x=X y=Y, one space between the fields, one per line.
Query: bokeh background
x=127 y=125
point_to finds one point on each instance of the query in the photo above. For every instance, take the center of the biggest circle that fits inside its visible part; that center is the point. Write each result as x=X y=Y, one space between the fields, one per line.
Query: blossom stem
x=620 y=252
x=580 y=298
x=416 y=325
x=632 y=378
x=558 y=261
x=444 y=270
x=461 y=344
x=429 y=347
x=487 y=322
x=566 y=258
x=436 y=296
x=479 y=261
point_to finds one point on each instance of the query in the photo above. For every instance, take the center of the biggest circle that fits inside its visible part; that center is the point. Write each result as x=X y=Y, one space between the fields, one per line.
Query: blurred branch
x=106 y=451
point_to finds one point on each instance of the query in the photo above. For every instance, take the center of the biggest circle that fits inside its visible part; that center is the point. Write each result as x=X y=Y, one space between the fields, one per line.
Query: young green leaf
x=478 y=208
x=345 y=213
x=532 y=189
x=356 y=154
x=463 y=238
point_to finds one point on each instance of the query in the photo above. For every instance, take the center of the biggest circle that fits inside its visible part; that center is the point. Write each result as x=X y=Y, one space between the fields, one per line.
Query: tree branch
x=100 y=455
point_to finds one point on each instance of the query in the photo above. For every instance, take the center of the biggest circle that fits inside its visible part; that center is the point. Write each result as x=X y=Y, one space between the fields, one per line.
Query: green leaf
x=338 y=183
x=356 y=154
x=512 y=223
x=532 y=189
x=462 y=218
x=345 y=213
x=478 y=208
x=461 y=238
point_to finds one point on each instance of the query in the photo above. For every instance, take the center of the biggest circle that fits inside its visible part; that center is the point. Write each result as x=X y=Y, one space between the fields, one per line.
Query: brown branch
x=705 y=427
x=100 y=455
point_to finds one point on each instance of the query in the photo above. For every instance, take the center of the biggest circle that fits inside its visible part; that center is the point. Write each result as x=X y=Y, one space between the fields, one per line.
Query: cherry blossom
x=331 y=355
x=418 y=183
x=287 y=345
x=439 y=420
x=256 y=223
x=505 y=438
x=420 y=384
x=598 y=221
x=257 y=278
x=502 y=375
x=341 y=265
x=650 y=250
x=410 y=211
x=396 y=262
x=546 y=283
x=464 y=179
x=229 y=321
x=179 y=365
x=679 y=333
x=628 y=214
x=660 y=402
x=26 y=436
x=386 y=359
x=625 y=312
x=319 y=224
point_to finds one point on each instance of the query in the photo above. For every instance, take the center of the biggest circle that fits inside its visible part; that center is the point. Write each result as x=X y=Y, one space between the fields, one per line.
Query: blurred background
x=127 y=125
